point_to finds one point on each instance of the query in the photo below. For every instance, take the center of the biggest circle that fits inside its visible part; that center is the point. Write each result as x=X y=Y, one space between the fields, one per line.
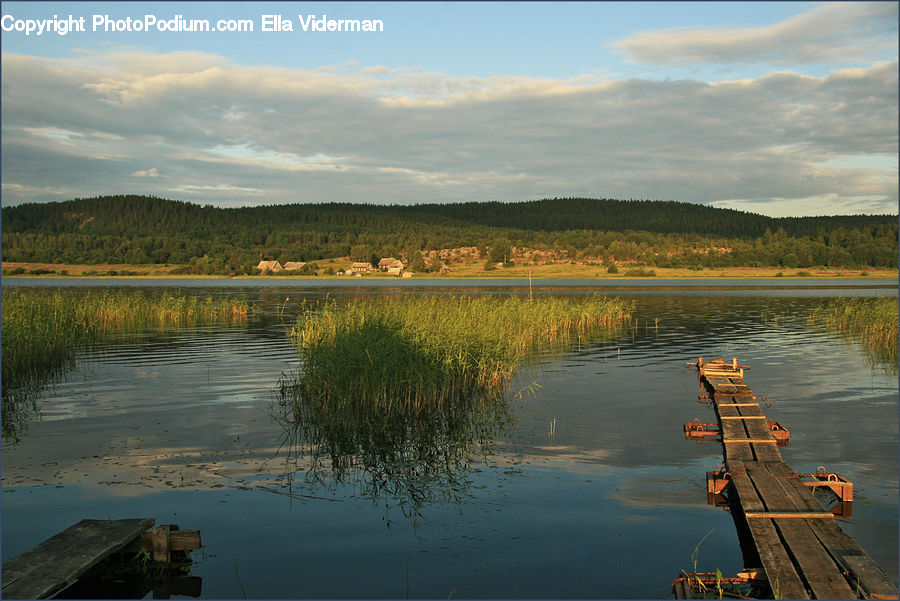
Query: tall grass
x=403 y=390
x=432 y=350
x=42 y=330
x=871 y=320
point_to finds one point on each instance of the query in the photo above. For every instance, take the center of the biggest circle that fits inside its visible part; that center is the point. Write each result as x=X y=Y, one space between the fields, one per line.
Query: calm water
x=179 y=426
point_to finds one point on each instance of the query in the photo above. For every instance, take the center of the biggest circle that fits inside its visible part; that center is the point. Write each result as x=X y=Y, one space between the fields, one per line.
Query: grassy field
x=471 y=269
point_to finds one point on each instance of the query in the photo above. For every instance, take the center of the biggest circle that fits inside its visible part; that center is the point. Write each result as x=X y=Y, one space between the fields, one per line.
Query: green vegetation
x=210 y=240
x=872 y=320
x=399 y=394
x=370 y=355
x=42 y=331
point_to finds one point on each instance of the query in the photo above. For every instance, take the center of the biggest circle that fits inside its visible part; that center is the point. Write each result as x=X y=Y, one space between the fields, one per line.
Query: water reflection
x=180 y=427
x=24 y=389
x=413 y=458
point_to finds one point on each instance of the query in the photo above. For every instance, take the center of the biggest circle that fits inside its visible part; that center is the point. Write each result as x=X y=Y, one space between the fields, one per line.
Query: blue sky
x=778 y=108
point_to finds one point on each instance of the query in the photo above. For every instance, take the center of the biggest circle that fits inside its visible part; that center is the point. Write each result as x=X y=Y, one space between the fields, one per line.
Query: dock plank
x=62 y=558
x=873 y=580
x=779 y=568
x=780 y=571
x=811 y=560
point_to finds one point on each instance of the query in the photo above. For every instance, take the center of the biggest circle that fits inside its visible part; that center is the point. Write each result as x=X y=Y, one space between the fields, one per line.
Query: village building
x=388 y=263
x=398 y=270
x=361 y=267
x=271 y=266
x=294 y=265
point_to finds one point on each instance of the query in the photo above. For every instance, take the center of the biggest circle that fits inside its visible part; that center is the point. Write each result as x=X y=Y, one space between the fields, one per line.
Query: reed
x=42 y=330
x=873 y=321
x=433 y=350
x=400 y=393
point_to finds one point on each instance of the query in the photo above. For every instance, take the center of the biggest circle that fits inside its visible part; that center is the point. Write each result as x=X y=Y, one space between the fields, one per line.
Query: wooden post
x=161 y=551
x=734 y=364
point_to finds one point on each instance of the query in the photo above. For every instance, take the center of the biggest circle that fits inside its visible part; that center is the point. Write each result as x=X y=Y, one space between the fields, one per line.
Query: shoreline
x=537 y=272
x=706 y=275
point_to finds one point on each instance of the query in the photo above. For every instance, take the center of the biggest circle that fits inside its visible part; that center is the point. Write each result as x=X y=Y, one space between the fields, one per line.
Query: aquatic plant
x=42 y=331
x=431 y=350
x=873 y=321
x=402 y=391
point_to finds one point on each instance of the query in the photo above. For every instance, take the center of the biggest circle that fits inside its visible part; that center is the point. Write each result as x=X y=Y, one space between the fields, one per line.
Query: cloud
x=832 y=32
x=229 y=134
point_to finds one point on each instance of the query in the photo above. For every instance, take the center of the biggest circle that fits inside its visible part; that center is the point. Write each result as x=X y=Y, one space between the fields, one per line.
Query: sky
x=782 y=108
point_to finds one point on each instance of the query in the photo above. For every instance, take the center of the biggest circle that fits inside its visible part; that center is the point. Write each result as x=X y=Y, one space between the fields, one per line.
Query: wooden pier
x=61 y=559
x=803 y=551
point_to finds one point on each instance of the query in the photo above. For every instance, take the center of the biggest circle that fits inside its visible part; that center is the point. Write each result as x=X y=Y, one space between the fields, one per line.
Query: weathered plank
x=733 y=430
x=179 y=540
x=740 y=480
x=760 y=429
x=812 y=561
x=872 y=579
x=786 y=515
x=62 y=558
x=780 y=571
x=815 y=564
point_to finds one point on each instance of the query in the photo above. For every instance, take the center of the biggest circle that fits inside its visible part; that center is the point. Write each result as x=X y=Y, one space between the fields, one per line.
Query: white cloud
x=839 y=32
x=231 y=134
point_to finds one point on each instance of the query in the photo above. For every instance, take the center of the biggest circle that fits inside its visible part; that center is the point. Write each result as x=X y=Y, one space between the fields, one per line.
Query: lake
x=587 y=488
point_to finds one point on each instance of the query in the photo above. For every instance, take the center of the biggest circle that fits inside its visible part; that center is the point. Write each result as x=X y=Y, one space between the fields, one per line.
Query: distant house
x=398 y=270
x=388 y=263
x=294 y=265
x=359 y=268
x=271 y=266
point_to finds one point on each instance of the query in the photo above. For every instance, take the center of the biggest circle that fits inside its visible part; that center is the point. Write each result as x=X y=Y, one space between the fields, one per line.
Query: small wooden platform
x=803 y=550
x=61 y=559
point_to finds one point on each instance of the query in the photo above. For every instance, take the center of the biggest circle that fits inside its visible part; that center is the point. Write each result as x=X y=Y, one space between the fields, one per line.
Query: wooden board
x=62 y=558
x=780 y=571
x=811 y=559
x=843 y=549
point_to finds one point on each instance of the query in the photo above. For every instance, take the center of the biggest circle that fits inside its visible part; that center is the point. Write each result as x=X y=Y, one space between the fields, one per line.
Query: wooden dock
x=804 y=552
x=61 y=559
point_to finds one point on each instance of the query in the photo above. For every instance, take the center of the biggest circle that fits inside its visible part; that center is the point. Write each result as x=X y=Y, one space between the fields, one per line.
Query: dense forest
x=207 y=239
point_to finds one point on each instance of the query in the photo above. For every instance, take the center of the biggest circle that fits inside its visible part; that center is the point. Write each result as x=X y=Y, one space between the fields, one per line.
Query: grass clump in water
x=872 y=320
x=401 y=392
x=42 y=331
x=372 y=354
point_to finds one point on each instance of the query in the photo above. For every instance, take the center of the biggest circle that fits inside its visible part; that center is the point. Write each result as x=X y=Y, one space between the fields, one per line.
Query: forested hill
x=664 y=217
x=144 y=215
x=141 y=229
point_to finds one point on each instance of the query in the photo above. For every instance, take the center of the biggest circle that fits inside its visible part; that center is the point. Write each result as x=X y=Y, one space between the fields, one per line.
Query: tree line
x=208 y=239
